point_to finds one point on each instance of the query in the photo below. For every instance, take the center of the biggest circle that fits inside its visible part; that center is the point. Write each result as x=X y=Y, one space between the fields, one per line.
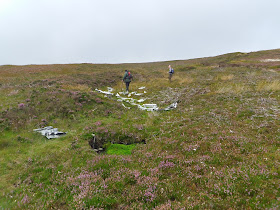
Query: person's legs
x=170 y=76
x=127 y=86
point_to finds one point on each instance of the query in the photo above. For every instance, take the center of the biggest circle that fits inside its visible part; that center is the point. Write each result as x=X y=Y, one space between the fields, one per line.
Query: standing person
x=127 y=79
x=171 y=72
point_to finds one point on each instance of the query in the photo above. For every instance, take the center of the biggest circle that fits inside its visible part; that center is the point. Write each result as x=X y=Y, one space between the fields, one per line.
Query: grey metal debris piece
x=148 y=107
x=110 y=89
x=171 y=106
x=49 y=132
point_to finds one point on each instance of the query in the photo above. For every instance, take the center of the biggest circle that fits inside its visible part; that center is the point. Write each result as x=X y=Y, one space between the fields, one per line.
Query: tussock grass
x=79 y=87
x=182 y=79
x=273 y=85
x=232 y=88
x=227 y=77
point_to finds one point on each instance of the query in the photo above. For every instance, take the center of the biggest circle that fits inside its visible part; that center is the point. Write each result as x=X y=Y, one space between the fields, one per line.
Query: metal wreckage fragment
x=50 y=132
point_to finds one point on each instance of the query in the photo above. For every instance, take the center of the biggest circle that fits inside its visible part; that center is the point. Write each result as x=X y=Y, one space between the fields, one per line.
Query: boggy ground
x=218 y=150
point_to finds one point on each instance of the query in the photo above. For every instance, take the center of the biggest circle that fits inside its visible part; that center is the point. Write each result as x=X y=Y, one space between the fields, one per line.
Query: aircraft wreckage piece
x=141 y=100
x=104 y=92
x=110 y=89
x=148 y=107
x=50 y=132
x=171 y=106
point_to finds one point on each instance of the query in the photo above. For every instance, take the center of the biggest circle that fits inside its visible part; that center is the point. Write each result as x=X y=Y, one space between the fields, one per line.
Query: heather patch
x=219 y=149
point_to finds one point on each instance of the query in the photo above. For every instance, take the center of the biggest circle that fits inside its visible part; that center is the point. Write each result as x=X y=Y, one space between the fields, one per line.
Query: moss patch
x=120 y=149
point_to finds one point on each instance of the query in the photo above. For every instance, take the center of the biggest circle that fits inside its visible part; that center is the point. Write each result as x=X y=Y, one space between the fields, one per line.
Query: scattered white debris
x=270 y=60
x=141 y=88
x=50 y=132
x=131 y=101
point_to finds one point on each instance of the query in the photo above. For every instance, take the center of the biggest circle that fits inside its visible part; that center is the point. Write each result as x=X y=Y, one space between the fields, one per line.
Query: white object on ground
x=49 y=132
x=171 y=106
x=104 y=92
x=110 y=89
x=270 y=60
x=148 y=107
x=141 y=88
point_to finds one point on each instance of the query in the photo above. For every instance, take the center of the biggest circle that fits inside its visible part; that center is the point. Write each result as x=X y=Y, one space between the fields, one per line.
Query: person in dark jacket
x=127 y=79
x=171 y=72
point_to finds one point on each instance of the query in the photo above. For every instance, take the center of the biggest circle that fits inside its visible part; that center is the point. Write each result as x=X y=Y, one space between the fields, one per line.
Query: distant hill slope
x=218 y=149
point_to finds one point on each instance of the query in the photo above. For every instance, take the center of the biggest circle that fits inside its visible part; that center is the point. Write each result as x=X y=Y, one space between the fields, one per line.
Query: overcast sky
x=120 y=31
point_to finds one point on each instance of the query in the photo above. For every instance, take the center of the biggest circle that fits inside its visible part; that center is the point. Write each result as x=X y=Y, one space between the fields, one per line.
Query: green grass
x=120 y=149
x=217 y=149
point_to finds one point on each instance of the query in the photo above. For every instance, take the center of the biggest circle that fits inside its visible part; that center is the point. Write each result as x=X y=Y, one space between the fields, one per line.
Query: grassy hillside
x=218 y=149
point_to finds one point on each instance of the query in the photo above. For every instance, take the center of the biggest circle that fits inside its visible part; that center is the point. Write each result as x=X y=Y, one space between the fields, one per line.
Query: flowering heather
x=150 y=193
x=98 y=123
x=166 y=164
x=21 y=105
x=219 y=149
x=98 y=100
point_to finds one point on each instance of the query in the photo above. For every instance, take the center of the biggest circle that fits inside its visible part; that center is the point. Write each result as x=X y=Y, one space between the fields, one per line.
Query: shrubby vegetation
x=218 y=149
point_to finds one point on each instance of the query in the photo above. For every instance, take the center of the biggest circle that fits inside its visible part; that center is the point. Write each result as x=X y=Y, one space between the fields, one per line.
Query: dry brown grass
x=183 y=80
x=268 y=86
x=82 y=88
x=232 y=88
x=226 y=77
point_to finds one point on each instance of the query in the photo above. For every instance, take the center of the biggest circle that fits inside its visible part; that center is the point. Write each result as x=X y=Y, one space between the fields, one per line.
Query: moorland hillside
x=218 y=149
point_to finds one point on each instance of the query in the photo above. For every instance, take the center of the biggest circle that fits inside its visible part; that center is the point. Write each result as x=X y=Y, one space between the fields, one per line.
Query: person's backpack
x=129 y=75
x=172 y=71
